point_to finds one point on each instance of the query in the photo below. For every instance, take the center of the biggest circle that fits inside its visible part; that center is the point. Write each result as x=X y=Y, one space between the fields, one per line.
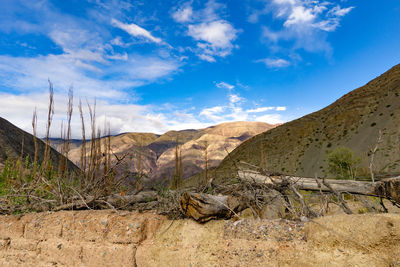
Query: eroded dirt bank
x=106 y=238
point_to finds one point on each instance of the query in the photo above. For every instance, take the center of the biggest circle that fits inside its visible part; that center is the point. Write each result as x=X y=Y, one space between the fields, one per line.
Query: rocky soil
x=108 y=238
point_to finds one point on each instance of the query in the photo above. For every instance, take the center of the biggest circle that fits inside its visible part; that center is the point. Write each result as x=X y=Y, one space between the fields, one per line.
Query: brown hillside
x=168 y=140
x=131 y=145
x=11 y=139
x=220 y=139
x=300 y=146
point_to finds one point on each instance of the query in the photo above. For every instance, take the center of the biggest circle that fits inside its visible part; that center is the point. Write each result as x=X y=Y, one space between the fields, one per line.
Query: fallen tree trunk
x=387 y=188
x=205 y=207
x=141 y=197
x=115 y=200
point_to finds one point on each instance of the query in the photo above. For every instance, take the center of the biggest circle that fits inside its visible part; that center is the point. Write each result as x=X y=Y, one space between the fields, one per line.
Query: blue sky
x=159 y=65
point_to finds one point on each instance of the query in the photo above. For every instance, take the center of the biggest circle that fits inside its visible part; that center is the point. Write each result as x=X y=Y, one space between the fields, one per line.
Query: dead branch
x=387 y=188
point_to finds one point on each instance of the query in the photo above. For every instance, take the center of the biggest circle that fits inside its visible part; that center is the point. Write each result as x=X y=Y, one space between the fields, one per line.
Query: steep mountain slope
x=129 y=145
x=169 y=139
x=219 y=139
x=300 y=146
x=11 y=140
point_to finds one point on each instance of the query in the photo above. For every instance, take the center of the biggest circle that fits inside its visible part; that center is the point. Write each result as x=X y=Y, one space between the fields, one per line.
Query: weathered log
x=115 y=200
x=387 y=188
x=205 y=207
x=141 y=197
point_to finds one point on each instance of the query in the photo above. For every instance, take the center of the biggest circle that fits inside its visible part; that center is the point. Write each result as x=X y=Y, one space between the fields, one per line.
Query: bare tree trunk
x=373 y=151
x=387 y=188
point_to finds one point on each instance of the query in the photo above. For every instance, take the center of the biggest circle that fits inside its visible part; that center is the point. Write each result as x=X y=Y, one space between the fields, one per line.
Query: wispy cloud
x=87 y=60
x=135 y=31
x=258 y=110
x=104 y=55
x=299 y=25
x=275 y=62
x=302 y=14
x=212 y=113
x=225 y=85
x=234 y=110
x=270 y=118
x=121 y=117
x=183 y=13
x=27 y=74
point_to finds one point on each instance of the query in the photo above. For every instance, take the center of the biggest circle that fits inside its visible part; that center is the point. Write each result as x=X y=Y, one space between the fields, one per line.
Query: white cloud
x=264 y=109
x=214 y=35
x=299 y=15
x=87 y=61
x=183 y=13
x=123 y=56
x=233 y=111
x=304 y=22
x=225 y=85
x=234 y=98
x=206 y=57
x=18 y=110
x=135 y=30
x=259 y=110
x=271 y=118
x=211 y=113
x=126 y=117
x=275 y=62
x=117 y=41
x=340 y=12
x=270 y=35
x=29 y=75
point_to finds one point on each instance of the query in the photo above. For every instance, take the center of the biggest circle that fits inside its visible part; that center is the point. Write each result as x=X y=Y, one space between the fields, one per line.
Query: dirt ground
x=108 y=238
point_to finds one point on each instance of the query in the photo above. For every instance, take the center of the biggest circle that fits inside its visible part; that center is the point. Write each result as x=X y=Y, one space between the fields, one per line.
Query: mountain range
x=154 y=155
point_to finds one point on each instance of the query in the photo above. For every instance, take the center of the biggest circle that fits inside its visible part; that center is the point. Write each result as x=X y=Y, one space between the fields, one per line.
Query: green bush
x=342 y=162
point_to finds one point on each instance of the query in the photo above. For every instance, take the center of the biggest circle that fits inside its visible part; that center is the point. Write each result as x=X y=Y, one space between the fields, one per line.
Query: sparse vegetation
x=30 y=185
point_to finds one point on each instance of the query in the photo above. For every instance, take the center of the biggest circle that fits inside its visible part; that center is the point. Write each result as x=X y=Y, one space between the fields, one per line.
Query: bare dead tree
x=83 y=146
x=178 y=171
x=70 y=109
x=372 y=155
x=34 y=131
x=205 y=161
x=49 y=121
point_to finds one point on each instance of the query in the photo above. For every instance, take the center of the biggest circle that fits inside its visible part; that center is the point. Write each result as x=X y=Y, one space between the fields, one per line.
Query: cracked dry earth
x=107 y=238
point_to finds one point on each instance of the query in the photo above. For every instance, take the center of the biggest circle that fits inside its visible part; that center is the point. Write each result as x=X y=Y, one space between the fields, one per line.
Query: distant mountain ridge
x=157 y=152
x=299 y=147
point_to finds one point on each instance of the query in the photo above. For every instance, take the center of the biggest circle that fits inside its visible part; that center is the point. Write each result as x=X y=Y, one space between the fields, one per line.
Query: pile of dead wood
x=226 y=201
x=204 y=207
